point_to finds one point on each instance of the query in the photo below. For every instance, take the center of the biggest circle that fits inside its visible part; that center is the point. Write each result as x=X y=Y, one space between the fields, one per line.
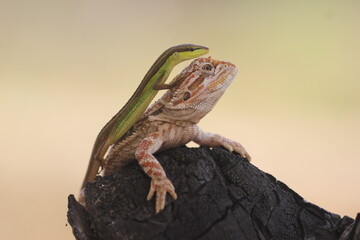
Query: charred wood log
x=220 y=196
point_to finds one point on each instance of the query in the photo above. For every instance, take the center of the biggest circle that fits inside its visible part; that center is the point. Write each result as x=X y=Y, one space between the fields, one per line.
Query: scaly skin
x=137 y=104
x=171 y=122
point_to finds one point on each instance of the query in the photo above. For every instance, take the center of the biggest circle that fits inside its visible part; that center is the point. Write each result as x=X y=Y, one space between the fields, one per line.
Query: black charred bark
x=220 y=196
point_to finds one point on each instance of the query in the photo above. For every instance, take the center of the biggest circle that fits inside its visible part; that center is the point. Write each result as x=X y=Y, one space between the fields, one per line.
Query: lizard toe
x=161 y=187
x=151 y=192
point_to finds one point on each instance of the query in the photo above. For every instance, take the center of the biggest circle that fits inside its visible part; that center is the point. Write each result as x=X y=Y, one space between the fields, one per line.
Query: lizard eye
x=207 y=67
x=186 y=96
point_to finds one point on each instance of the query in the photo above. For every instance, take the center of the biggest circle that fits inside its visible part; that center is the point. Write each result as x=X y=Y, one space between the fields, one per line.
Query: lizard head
x=200 y=86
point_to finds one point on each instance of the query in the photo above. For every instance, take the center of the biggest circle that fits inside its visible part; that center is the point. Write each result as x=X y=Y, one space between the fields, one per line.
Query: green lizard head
x=180 y=53
x=187 y=51
x=170 y=58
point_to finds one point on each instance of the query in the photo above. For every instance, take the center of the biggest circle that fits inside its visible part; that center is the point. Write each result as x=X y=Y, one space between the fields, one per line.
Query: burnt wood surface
x=220 y=196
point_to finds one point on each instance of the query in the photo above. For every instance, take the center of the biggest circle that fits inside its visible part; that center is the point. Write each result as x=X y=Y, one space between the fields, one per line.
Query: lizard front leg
x=213 y=140
x=159 y=182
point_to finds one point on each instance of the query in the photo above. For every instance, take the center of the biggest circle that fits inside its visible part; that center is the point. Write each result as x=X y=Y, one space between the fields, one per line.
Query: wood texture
x=220 y=196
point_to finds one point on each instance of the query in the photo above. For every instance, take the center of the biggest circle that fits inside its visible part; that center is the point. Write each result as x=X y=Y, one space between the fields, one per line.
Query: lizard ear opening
x=186 y=96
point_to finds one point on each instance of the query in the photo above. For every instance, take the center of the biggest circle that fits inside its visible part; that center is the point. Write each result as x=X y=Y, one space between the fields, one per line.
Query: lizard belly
x=179 y=135
x=123 y=152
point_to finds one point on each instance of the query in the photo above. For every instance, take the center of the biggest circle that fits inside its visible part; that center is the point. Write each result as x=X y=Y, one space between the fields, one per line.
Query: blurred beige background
x=66 y=67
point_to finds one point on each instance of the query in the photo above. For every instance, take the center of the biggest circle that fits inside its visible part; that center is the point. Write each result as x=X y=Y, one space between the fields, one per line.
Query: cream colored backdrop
x=66 y=67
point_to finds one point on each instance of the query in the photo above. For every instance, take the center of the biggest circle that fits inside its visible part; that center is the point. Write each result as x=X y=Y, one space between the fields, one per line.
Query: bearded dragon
x=172 y=121
x=137 y=104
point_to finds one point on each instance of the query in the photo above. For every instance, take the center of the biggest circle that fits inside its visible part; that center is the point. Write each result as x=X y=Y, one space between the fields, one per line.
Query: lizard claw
x=234 y=146
x=161 y=187
x=241 y=150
